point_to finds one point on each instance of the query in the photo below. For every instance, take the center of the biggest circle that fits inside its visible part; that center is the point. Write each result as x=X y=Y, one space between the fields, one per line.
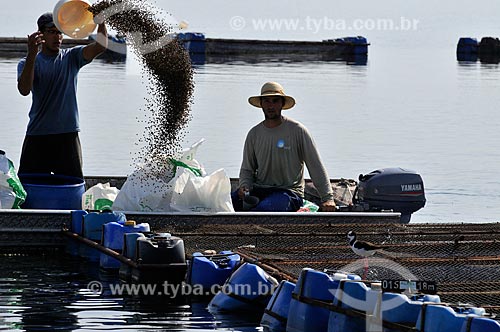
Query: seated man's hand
x=242 y=192
x=327 y=206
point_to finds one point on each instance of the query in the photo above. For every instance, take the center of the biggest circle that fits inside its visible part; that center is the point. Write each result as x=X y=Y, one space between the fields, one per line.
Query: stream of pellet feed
x=167 y=72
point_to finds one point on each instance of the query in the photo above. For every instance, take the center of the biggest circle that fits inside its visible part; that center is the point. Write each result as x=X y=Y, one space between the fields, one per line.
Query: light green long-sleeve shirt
x=275 y=157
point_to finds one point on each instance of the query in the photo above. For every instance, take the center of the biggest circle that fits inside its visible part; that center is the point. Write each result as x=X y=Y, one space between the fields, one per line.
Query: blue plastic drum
x=113 y=238
x=52 y=192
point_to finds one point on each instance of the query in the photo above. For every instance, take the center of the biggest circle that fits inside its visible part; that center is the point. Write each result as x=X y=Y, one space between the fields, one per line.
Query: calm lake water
x=36 y=282
x=413 y=105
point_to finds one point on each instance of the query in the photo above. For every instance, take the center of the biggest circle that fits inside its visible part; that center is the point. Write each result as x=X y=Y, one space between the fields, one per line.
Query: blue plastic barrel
x=358 y=44
x=130 y=244
x=467 y=45
x=52 y=191
x=207 y=271
x=193 y=42
x=483 y=324
x=77 y=217
x=72 y=245
x=316 y=286
x=92 y=230
x=438 y=318
x=276 y=313
x=352 y=295
x=129 y=251
x=398 y=308
x=248 y=289
x=113 y=238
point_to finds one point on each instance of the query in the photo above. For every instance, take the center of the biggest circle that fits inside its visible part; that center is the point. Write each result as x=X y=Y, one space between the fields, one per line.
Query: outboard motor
x=396 y=189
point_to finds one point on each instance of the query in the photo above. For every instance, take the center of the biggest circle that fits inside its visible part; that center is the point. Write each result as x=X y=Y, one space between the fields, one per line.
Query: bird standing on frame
x=362 y=248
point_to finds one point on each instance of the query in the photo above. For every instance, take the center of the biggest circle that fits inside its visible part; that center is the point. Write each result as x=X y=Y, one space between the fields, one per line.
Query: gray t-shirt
x=275 y=157
x=54 y=109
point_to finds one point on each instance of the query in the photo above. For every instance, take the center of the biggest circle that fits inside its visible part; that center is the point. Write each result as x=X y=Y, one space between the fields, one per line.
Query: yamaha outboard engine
x=396 y=189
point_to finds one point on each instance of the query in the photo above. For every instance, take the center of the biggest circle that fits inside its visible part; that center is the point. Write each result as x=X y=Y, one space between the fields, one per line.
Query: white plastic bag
x=12 y=193
x=146 y=192
x=99 y=197
x=211 y=193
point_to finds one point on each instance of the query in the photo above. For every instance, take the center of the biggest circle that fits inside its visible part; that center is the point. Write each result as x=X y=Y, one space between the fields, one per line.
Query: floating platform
x=353 y=50
x=218 y=50
x=18 y=46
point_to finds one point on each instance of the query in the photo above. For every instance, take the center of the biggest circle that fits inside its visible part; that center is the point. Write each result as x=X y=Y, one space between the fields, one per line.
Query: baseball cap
x=45 y=21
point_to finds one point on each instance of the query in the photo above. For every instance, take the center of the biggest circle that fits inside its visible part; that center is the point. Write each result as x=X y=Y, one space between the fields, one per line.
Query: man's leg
x=279 y=201
x=70 y=161
x=60 y=154
x=35 y=155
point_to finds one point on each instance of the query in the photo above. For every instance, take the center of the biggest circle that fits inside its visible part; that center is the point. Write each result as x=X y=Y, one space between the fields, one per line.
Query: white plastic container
x=73 y=19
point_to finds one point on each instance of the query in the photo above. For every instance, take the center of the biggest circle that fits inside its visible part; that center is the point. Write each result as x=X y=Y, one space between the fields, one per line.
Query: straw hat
x=272 y=89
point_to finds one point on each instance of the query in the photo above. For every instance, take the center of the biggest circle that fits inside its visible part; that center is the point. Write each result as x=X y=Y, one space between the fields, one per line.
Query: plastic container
x=92 y=230
x=356 y=45
x=467 y=45
x=193 y=42
x=437 y=318
x=398 y=308
x=73 y=245
x=113 y=238
x=353 y=295
x=53 y=192
x=77 y=221
x=73 y=19
x=207 y=271
x=276 y=313
x=248 y=289
x=129 y=251
x=314 y=285
x=161 y=258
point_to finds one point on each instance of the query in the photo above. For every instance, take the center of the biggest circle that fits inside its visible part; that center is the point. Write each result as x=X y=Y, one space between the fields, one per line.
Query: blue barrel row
x=158 y=257
x=322 y=302
x=469 y=49
x=341 y=302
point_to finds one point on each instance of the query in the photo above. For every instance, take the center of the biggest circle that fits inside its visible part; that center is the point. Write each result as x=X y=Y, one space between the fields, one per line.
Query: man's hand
x=242 y=192
x=25 y=81
x=327 y=206
x=34 y=41
x=91 y=51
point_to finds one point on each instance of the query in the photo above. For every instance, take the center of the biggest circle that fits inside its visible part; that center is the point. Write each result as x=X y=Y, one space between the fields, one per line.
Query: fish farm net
x=462 y=259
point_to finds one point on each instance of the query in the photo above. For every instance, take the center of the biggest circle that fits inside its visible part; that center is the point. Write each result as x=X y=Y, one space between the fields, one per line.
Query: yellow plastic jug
x=73 y=19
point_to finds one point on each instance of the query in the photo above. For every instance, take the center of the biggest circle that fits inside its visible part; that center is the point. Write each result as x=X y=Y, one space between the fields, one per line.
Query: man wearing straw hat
x=274 y=156
x=50 y=74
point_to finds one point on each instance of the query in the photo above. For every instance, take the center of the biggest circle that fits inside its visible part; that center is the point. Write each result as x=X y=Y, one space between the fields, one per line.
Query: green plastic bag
x=308 y=207
x=12 y=193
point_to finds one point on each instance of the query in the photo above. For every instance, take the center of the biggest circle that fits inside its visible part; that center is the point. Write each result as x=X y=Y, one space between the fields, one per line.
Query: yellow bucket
x=73 y=19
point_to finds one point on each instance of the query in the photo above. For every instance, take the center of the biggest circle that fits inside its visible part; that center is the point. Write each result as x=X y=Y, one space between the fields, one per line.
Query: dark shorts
x=58 y=154
x=270 y=200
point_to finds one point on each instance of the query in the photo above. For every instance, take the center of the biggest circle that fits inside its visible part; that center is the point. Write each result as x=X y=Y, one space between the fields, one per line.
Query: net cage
x=462 y=259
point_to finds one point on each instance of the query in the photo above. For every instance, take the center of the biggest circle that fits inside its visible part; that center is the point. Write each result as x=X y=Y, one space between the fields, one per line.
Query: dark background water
x=49 y=292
